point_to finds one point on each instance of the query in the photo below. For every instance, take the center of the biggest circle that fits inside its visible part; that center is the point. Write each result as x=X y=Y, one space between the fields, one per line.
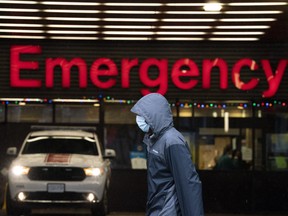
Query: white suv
x=59 y=167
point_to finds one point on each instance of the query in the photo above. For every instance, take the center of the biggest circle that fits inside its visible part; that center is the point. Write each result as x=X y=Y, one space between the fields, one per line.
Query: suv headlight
x=20 y=170
x=93 y=171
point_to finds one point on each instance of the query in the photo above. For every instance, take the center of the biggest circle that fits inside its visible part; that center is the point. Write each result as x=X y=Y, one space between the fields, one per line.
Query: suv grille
x=56 y=174
x=67 y=196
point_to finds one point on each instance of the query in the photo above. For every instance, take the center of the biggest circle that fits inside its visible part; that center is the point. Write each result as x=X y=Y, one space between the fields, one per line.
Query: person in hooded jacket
x=174 y=187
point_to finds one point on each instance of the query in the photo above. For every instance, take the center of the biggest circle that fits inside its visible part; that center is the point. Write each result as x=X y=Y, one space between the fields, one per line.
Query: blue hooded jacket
x=174 y=187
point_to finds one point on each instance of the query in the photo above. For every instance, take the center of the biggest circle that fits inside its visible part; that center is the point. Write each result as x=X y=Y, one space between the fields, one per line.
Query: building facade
x=221 y=93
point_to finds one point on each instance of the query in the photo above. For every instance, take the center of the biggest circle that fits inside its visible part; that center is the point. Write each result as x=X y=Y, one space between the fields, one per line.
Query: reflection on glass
x=68 y=113
x=213 y=147
x=2 y=112
x=40 y=113
x=234 y=112
x=277 y=146
x=119 y=114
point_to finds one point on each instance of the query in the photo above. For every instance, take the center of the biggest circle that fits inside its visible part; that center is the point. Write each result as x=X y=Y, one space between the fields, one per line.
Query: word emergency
x=184 y=74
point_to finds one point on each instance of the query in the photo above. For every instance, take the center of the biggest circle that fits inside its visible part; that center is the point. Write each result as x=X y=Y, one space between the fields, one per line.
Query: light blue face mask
x=142 y=124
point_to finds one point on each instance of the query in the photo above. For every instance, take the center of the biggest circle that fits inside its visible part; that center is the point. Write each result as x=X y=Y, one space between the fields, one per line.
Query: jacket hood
x=156 y=110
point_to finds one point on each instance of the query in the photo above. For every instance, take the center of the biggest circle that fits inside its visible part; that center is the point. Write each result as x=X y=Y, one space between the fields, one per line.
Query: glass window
x=116 y=113
x=74 y=113
x=272 y=139
x=258 y=149
x=277 y=142
x=22 y=112
x=212 y=109
x=220 y=150
x=185 y=109
x=174 y=110
x=123 y=135
x=190 y=138
x=126 y=140
x=221 y=133
x=2 y=112
x=277 y=150
x=269 y=110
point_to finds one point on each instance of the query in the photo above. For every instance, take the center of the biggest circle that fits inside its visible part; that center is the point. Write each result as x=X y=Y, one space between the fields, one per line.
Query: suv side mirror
x=110 y=153
x=11 y=151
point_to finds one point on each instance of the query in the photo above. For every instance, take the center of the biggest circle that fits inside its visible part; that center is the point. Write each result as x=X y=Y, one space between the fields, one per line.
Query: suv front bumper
x=90 y=190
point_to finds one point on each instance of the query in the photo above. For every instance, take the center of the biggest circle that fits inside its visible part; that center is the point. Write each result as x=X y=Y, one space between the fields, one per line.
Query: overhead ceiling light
x=21 y=17
x=233 y=39
x=130 y=12
x=179 y=39
x=166 y=26
x=243 y=27
x=180 y=33
x=127 y=38
x=185 y=4
x=238 y=33
x=76 y=100
x=253 y=12
x=22 y=36
x=130 y=20
x=71 y=26
x=184 y=27
x=212 y=6
x=18 y=2
x=71 y=32
x=192 y=12
x=18 y=10
x=271 y=3
x=70 y=3
x=73 y=38
x=72 y=11
x=72 y=18
x=226 y=121
x=129 y=27
x=248 y=20
x=20 y=31
x=188 y=20
x=114 y=101
x=133 y=4
x=22 y=99
x=20 y=25
x=129 y=32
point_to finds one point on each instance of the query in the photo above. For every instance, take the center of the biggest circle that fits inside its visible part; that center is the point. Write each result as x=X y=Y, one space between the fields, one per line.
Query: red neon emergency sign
x=105 y=67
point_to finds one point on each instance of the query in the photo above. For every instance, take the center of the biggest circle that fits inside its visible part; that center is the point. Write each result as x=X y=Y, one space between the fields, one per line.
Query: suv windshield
x=61 y=145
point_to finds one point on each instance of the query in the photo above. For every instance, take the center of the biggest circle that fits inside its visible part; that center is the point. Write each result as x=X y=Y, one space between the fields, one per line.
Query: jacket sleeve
x=187 y=182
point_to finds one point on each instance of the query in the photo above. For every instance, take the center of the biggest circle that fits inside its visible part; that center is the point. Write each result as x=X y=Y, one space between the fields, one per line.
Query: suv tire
x=12 y=208
x=102 y=208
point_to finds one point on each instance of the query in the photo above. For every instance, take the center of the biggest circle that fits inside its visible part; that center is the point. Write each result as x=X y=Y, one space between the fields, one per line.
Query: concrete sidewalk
x=85 y=212
x=59 y=212
x=208 y=214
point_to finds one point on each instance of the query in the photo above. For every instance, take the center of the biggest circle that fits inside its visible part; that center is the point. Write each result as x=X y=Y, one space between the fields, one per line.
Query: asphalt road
x=59 y=212
x=83 y=212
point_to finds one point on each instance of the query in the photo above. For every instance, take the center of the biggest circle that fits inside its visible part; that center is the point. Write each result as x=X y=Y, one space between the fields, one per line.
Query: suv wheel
x=101 y=209
x=12 y=209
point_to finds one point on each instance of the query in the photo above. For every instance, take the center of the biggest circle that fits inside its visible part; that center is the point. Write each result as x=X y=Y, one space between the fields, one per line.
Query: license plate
x=55 y=188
